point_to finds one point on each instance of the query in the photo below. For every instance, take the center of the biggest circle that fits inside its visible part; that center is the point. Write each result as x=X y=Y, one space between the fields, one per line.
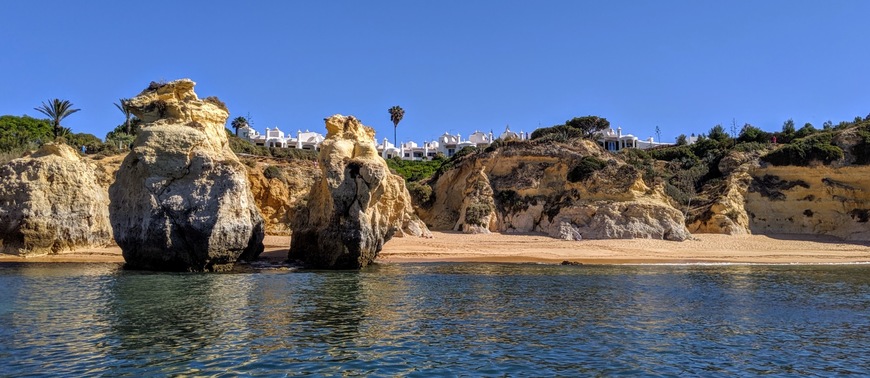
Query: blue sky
x=454 y=66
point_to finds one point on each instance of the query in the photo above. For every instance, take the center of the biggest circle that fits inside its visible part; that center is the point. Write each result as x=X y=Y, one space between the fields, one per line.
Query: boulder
x=52 y=201
x=355 y=206
x=181 y=199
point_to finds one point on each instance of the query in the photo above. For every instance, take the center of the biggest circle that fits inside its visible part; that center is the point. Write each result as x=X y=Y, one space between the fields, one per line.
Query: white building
x=447 y=144
x=615 y=141
x=306 y=140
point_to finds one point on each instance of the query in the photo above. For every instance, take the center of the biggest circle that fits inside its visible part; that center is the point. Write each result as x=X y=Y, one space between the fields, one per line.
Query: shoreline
x=705 y=249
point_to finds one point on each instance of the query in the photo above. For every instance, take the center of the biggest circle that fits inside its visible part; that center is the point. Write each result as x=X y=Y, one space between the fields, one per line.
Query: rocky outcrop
x=181 y=199
x=820 y=200
x=355 y=207
x=279 y=188
x=832 y=200
x=52 y=201
x=565 y=191
x=726 y=213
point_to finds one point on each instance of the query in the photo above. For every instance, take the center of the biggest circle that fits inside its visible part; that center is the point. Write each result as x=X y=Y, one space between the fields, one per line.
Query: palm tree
x=396 y=114
x=56 y=110
x=238 y=122
x=122 y=106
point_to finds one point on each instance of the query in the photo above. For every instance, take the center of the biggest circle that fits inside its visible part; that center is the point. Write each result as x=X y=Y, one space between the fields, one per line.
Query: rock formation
x=356 y=206
x=279 y=188
x=831 y=200
x=820 y=200
x=181 y=199
x=565 y=191
x=52 y=201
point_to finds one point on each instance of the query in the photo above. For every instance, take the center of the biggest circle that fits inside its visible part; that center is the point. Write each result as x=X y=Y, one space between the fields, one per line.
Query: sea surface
x=441 y=319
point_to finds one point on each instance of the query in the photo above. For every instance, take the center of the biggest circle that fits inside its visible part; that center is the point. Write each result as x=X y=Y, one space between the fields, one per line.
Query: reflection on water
x=424 y=319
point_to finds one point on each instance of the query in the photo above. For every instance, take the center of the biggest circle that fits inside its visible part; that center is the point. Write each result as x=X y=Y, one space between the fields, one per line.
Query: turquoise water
x=436 y=319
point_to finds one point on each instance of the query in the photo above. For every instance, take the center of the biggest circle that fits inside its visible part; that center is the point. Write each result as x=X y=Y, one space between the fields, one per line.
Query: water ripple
x=436 y=319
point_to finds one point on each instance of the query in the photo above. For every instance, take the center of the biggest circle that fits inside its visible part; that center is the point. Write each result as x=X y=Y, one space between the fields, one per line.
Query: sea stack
x=355 y=206
x=181 y=200
x=52 y=201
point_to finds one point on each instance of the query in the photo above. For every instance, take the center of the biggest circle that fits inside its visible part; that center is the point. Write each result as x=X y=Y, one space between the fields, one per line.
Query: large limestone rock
x=181 y=199
x=356 y=206
x=569 y=192
x=52 y=201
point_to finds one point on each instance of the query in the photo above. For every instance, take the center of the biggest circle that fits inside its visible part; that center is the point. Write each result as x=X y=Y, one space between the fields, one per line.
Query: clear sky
x=454 y=66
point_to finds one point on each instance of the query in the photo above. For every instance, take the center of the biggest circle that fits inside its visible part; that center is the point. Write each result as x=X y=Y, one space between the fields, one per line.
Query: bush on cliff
x=420 y=193
x=476 y=213
x=585 y=127
x=861 y=150
x=805 y=151
x=273 y=172
x=587 y=166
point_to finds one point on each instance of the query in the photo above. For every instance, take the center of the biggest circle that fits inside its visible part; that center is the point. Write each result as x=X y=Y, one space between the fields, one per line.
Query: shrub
x=412 y=170
x=673 y=153
x=750 y=147
x=861 y=150
x=803 y=152
x=476 y=213
x=292 y=153
x=273 y=172
x=561 y=133
x=217 y=102
x=421 y=193
x=585 y=168
x=510 y=201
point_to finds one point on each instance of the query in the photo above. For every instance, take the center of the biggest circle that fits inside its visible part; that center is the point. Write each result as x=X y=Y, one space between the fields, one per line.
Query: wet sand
x=513 y=248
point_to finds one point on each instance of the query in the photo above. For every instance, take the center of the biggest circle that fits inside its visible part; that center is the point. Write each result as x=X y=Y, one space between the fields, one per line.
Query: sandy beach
x=457 y=247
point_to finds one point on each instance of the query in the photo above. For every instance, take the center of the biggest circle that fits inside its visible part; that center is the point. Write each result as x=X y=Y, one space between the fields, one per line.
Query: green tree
x=56 y=110
x=751 y=133
x=238 y=122
x=682 y=140
x=805 y=131
x=122 y=106
x=589 y=125
x=22 y=133
x=396 y=115
x=718 y=134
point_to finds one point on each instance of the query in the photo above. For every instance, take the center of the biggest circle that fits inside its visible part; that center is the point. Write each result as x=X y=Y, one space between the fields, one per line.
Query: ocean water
x=437 y=319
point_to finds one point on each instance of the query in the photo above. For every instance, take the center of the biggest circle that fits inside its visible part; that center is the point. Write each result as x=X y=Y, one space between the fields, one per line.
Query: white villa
x=447 y=144
x=615 y=141
x=307 y=140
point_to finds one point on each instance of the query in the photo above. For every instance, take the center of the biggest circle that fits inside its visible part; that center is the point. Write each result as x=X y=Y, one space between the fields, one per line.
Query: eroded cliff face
x=726 y=213
x=568 y=192
x=181 y=199
x=52 y=201
x=279 y=188
x=819 y=200
x=355 y=206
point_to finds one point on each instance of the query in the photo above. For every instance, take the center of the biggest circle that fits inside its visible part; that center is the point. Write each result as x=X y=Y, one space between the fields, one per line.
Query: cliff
x=761 y=198
x=279 y=187
x=52 y=201
x=355 y=206
x=181 y=198
x=567 y=191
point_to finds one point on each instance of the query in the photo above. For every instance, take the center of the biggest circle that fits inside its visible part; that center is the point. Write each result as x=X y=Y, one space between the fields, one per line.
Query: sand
x=513 y=248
